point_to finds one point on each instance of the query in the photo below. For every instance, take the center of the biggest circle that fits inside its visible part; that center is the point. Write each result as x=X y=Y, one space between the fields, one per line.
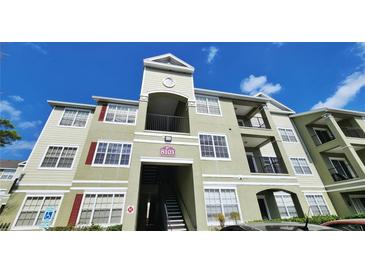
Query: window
x=121 y=114
x=342 y=169
x=271 y=165
x=59 y=157
x=213 y=146
x=207 y=105
x=287 y=135
x=300 y=166
x=74 y=118
x=114 y=154
x=222 y=201
x=33 y=209
x=7 y=174
x=358 y=202
x=102 y=209
x=317 y=204
x=285 y=205
x=323 y=135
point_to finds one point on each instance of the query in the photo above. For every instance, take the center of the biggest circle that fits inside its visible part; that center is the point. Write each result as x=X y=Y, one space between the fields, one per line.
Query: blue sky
x=300 y=75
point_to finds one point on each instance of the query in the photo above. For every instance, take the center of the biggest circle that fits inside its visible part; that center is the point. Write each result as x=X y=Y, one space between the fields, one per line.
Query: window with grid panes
x=301 y=166
x=287 y=135
x=285 y=205
x=207 y=105
x=33 y=209
x=213 y=146
x=221 y=201
x=116 y=154
x=59 y=157
x=7 y=174
x=122 y=114
x=102 y=209
x=317 y=204
x=74 y=118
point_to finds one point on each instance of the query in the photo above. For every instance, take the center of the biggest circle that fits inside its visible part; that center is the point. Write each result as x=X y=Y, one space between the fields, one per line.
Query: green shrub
x=91 y=228
x=86 y=228
x=317 y=220
x=114 y=228
x=62 y=228
x=356 y=216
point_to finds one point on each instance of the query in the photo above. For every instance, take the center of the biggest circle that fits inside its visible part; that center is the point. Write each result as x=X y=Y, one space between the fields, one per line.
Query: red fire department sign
x=167 y=151
x=130 y=209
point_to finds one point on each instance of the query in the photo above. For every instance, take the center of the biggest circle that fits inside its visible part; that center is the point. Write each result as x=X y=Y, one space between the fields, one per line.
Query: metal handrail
x=163 y=122
x=318 y=141
x=339 y=176
x=275 y=166
x=353 y=132
x=167 y=219
x=260 y=123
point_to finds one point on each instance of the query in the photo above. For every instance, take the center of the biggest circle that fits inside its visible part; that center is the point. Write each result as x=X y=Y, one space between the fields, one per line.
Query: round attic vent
x=168 y=82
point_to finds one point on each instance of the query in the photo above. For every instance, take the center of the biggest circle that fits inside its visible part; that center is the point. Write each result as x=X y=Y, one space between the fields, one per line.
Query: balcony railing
x=267 y=165
x=255 y=122
x=340 y=176
x=324 y=138
x=353 y=132
x=167 y=123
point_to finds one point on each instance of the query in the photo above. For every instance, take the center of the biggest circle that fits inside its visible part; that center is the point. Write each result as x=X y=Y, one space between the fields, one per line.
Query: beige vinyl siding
x=55 y=135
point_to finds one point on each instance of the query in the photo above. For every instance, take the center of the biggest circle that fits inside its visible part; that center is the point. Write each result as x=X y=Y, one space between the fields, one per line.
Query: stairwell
x=175 y=220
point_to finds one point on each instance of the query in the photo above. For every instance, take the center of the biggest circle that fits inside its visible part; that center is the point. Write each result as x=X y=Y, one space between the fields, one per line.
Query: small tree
x=221 y=219
x=235 y=216
x=7 y=134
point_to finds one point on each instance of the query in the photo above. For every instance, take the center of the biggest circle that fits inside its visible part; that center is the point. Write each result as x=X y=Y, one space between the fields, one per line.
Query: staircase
x=175 y=220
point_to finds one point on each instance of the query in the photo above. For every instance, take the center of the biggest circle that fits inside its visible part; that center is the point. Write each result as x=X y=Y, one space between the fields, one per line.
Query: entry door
x=359 y=203
x=265 y=213
x=251 y=162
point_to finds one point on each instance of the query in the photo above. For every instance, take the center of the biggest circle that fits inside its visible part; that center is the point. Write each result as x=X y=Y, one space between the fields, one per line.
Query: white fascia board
x=330 y=110
x=229 y=95
x=115 y=100
x=70 y=104
x=151 y=62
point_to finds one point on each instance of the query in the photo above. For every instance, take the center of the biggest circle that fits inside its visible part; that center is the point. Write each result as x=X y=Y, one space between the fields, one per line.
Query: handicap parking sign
x=48 y=217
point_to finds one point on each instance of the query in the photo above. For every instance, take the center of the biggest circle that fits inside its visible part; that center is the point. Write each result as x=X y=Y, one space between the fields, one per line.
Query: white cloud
x=345 y=92
x=6 y=107
x=37 y=48
x=29 y=124
x=19 y=145
x=16 y=98
x=252 y=85
x=212 y=53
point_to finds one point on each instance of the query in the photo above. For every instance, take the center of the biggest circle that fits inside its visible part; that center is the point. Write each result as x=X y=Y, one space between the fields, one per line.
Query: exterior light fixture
x=168 y=139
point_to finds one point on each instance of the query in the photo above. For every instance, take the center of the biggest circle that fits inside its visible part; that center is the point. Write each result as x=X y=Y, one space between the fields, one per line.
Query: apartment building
x=336 y=140
x=176 y=158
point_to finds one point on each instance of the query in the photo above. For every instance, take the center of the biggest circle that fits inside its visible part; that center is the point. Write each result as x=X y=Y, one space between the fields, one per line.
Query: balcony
x=340 y=176
x=254 y=122
x=322 y=138
x=261 y=164
x=353 y=132
x=162 y=122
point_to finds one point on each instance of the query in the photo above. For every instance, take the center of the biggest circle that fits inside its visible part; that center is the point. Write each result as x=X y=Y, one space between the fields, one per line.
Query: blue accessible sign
x=48 y=217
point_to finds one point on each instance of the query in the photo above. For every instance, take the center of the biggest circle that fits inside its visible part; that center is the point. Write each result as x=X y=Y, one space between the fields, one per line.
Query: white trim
x=77 y=109
x=98 y=189
x=249 y=183
x=307 y=162
x=239 y=176
x=58 y=168
x=115 y=100
x=69 y=104
x=166 y=160
x=345 y=183
x=214 y=158
x=41 y=192
x=43 y=184
x=210 y=114
x=314 y=191
x=345 y=188
x=325 y=202
x=163 y=142
x=266 y=206
x=347 y=164
x=121 y=123
x=183 y=135
x=50 y=194
x=106 y=152
x=99 y=182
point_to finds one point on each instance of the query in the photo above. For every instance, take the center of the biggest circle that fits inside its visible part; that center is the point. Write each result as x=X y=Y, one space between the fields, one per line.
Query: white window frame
x=285 y=205
x=121 y=123
x=342 y=159
x=321 y=129
x=44 y=195
x=76 y=109
x=93 y=209
x=325 y=202
x=266 y=206
x=214 y=158
x=3 y=171
x=114 y=142
x=221 y=204
x=355 y=196
x=210 y=114
x=59 y=168
x=301 y=174
x=286 y=129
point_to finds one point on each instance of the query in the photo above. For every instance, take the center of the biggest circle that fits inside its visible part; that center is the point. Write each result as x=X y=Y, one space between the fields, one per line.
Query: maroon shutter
x=90 y=155
x=75 y=210
x=102 y=112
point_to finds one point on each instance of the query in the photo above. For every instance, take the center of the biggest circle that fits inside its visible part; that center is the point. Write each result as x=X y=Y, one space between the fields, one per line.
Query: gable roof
x=275 y=102
x=168 y=61
x=331 y=110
